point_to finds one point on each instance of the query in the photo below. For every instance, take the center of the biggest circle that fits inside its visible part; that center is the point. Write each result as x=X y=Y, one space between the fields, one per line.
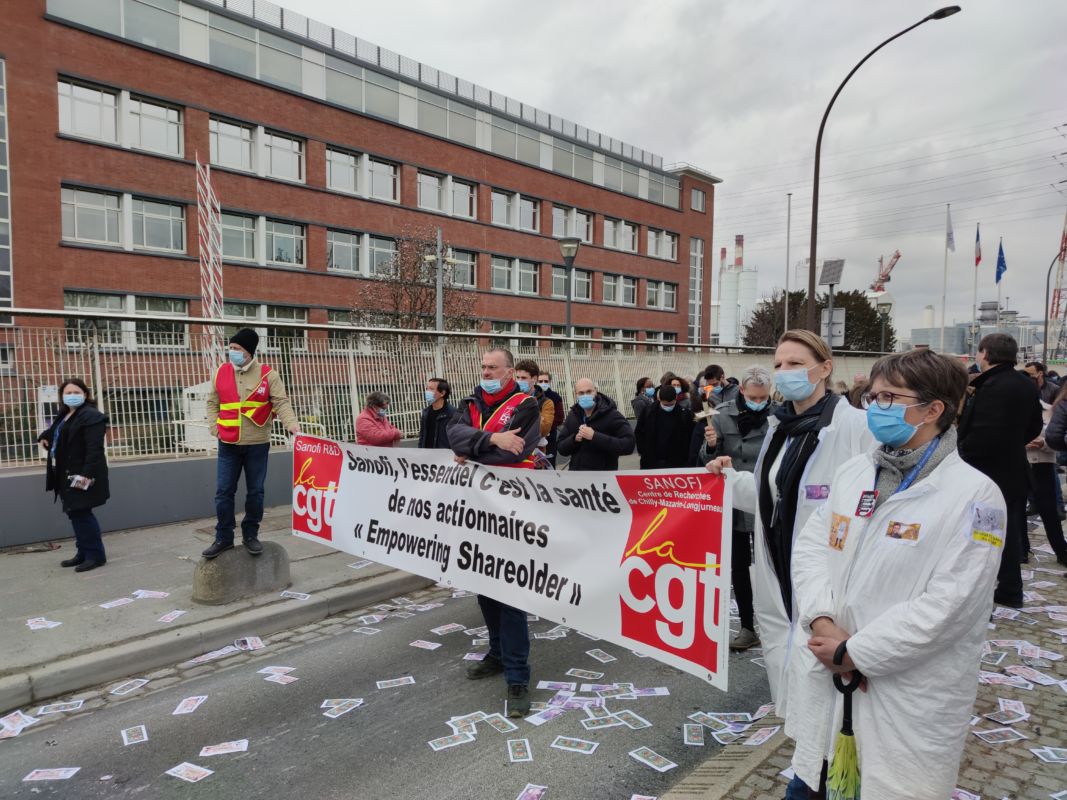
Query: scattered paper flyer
x=999 y=735
x=284 y=680
x=598 y=723
x=295 y=595
x=222 y=652
x=572 y=745
x=275 y=670
x=762 y=735
x=500 y=724
x=392 y=683
x=541 y=717
x=41 y=624
x=149 y=594
x=134 y=735
x=726 y=737
x=555 y=686
x=170 y=616
x=424 y=645
x=600 y=655
x=371 y=619
x=189 y=772
x=60 y=708
x=651 y=758
x=474 y=656
x=519 y=750
x=693 y=734
x=963 y=794
x=1051 y=755
x=450 y=741
x=342 y=707
x=59 y=774
x=359 y=564
x=249 y=643
x=17 y=720
x=121 y=601
x=366 y=631
x=632 y=720
x=238 y=746
x=585 y=674
x=189 y=705
x=532 y=792
x=451 y=627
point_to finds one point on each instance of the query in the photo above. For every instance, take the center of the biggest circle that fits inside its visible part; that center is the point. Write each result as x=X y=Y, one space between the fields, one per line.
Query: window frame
x=437 y=189
x=295 y=152
x=73 y=102
x=244 y=233
x=143 y=228
x=137 y=117
x=355 y=244
x=299 y=240
x=331 y=153
x=216 y=135
x=111 y=215
x=393 y=176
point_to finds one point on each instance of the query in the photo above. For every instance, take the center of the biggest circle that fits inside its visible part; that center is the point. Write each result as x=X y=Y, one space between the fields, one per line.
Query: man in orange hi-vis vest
x=245 y=397
x=500 y=425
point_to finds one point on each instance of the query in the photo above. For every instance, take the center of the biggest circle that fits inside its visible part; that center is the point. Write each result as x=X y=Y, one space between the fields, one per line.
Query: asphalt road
x=378 y=751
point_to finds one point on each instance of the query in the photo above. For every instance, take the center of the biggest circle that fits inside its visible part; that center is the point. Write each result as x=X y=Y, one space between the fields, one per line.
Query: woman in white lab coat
x=808 y=437
x=895 y=575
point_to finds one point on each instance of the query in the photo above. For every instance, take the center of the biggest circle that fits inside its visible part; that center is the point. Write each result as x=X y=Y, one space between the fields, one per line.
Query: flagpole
x=974 y=308
x=1000 y=287
x=788 y=228
x=944 y=278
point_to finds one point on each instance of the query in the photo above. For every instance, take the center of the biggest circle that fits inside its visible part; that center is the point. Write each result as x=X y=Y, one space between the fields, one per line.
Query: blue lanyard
x=909 y=479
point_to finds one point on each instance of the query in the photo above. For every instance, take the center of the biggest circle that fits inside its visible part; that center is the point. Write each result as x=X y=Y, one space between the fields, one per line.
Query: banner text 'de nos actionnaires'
x=636 y=558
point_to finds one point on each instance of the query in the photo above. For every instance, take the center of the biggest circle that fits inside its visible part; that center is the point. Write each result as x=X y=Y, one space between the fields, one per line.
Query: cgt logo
x=670 y=599
x=317 y=465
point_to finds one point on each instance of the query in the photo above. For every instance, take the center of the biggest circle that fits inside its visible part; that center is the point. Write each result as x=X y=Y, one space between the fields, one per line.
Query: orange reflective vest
x=257 y=406
x=497 y=422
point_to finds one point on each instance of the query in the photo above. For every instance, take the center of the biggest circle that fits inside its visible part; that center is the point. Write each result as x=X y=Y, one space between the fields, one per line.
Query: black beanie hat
x=247 y=338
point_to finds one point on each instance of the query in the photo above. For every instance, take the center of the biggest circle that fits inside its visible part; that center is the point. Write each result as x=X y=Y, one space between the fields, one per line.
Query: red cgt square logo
x=317 y=465
x=670 y=600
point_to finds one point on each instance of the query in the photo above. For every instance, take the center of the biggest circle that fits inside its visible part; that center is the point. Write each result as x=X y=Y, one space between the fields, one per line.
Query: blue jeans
x=233 y=458
x=87 y=535
x=509 y=639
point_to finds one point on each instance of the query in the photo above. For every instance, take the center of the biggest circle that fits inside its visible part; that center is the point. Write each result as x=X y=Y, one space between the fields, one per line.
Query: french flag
x=977 y=244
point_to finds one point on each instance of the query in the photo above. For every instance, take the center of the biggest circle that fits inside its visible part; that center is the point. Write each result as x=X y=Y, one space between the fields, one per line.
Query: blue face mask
x=524 y=386
x=491 y=385
x=430 y=396
x=794 y=384
x=677 y=390
x=545 y=386
x=381 y=412
x=667 y=408
x=237 y=358
x=73 y=400
x=651 y=391
x=889 y=426
x=587 y=401
x=716 y=389
x=756 y=406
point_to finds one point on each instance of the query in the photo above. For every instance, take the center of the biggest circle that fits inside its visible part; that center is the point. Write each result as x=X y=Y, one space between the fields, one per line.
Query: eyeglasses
x=885 y=400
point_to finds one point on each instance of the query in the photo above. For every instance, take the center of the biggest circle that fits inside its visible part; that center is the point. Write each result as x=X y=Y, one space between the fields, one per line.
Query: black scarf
x=778 y=518
x=747 y=419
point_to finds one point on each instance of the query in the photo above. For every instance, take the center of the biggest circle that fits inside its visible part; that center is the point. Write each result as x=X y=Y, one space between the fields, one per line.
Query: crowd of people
x=874 y=524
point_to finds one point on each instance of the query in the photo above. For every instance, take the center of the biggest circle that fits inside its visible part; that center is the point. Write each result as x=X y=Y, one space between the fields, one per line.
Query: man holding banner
x=500 y=425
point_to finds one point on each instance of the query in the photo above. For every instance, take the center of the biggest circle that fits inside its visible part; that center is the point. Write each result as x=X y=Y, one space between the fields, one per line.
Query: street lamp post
x=883 y=315
x=947 y=11
x=568 y=248
x=1048 y=279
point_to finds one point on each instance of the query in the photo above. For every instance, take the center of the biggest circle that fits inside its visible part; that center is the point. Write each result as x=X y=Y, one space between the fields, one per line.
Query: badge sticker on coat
x=987 y=525
x=907 y=532
x=838 y=532
x=816 y=491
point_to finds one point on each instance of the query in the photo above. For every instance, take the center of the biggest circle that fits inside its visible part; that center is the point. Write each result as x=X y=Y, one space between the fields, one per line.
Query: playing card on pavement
x=392 y=683
x=762 y=735
x=59 y=774
x=600 y=655
x=999 y=735
x=189 y=772
x=189 y=705
x=532 y=792
x=573 y=745
x=134 y=735
x=693 y=734
x=451 y=627
x=450 y=741
x=249 y=643
x=238 y=746
x=284 y=680
x=519 y=750
x=651 y=758
x=60 y=708
x=343 y=707
x=129 y=686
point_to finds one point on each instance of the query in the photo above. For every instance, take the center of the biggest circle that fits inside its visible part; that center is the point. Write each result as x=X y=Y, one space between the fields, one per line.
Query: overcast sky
x=971 y=110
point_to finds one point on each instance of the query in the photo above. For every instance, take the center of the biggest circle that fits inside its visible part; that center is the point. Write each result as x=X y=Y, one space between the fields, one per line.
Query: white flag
x=950 y=238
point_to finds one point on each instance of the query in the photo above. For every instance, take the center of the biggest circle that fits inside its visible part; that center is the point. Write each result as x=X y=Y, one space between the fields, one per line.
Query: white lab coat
x=917 y=608
x=846 y=436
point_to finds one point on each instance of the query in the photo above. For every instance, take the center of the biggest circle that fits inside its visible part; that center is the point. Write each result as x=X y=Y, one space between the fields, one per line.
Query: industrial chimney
x=739 y=251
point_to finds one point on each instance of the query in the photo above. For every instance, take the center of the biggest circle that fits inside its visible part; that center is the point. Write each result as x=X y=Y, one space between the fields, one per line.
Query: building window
x=285 y=243
x=583 y=285
x=696 y=289
x=560 y=219
x=612 y=229
x=652 y=294
x=559 y=282
x=698 y=200
x=238 y=237
x=382 y=256
x=662 y=244
x=155 y=127
x=342 y=171
x=529 y=214
x=285 y=157
x=621 y=339
x=157 y=333
x=384 y=183
x=90 y=216
x=342 y=251
x=628 y=240
x=611 y=288
x=501 y=208
x=628 y=291
x=583 y=226
x=662 y=294
x=464 y=199
x=464 y=271
x=341 y=340
x=244 y=315
x=231 y=144
x=430 y=190
x=502 y=275
x=88 y=111
x=529 y=282
x=158 y=226
x=286 y=338
x=109 y=330
x=670 y=296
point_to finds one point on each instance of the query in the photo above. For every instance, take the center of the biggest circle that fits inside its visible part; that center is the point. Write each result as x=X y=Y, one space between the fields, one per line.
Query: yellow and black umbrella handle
x=847 y=689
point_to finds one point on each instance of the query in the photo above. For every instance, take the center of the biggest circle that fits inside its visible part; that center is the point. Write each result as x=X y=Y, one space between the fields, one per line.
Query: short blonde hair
x=814 y=343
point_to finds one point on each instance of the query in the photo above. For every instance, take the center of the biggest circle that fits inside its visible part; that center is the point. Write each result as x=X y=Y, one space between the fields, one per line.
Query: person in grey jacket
x=737 y=431
x=645 y=396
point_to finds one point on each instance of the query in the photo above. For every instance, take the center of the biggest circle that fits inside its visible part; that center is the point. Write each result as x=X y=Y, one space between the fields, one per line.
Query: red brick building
x=323 y=149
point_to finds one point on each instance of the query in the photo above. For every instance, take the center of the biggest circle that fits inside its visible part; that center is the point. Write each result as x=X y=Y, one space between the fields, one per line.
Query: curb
x=78 y=672
x=724 y=772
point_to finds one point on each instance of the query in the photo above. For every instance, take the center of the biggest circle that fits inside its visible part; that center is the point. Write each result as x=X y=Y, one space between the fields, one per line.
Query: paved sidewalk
x=94 y=645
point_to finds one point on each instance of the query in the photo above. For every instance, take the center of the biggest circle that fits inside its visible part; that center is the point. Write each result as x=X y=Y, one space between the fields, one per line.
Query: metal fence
x=152 y=375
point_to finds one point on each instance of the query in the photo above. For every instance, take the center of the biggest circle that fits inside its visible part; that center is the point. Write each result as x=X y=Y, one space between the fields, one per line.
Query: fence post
x=353 y=391
x=94 y=367
x=619 y=397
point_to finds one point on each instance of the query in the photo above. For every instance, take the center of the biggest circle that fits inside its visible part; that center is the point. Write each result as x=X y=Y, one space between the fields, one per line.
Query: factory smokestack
x=739 y=251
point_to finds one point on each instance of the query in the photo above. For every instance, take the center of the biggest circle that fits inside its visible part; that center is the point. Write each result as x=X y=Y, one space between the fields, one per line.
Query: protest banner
x=639 y=559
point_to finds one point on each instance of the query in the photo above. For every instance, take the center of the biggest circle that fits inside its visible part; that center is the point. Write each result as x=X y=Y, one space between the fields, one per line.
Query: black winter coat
x=1056 y=432
x=663 y=437
x=613 y=436
x=1001 y=415
x=444 y=417
x=80 y=451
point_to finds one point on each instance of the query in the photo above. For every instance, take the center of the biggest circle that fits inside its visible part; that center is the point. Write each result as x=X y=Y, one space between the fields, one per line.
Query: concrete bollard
x=235 y=574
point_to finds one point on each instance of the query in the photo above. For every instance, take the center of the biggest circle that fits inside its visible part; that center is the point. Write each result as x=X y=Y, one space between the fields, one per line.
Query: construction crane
x=883 y=271
x=1057 y=312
